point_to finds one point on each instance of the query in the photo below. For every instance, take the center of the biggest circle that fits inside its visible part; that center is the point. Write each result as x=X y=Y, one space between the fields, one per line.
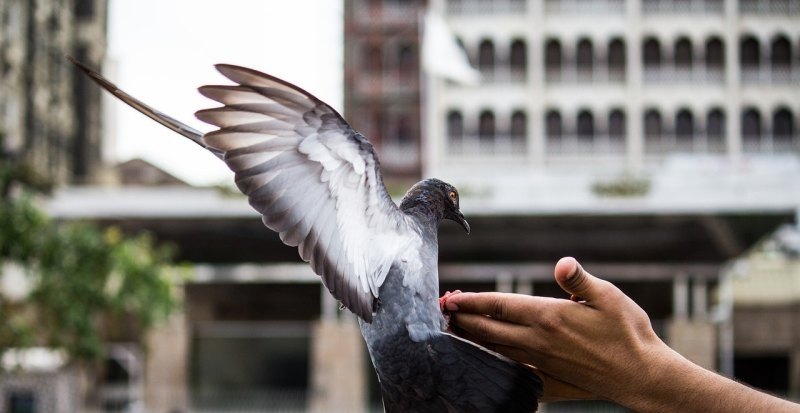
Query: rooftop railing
x=600 y=73
x=600 y=144
x=771 y=143
x=696 y=142
x=487 y=146
x=769 y=7
x=697 y=73
x=770 y=75
x=682 y=7
x=482 y=7
x=584 y=7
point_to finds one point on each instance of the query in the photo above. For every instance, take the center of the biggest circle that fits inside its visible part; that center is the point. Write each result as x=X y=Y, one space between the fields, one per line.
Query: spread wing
x=314 y=180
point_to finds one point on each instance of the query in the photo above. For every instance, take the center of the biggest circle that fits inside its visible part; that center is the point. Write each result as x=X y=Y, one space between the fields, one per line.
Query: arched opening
x=518 y=59
x=651 y=53
x=751 y=128
x=455 y=126
x=683 y=53
x=486 y=126
x=585 y=56
x=715 y=126
x=616 y=58
x=519 y=125
x=781 y=55
x=684 y=128
x=749 y=52
x=553 y=57
x=783 y=128
x=715 y=54
x=653 y=128
x=585 y=126
x=554 y=126
x=616 y=124
x=486 y=57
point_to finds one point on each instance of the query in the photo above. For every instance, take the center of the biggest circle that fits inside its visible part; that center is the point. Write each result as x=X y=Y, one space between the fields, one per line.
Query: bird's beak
x=461 y=221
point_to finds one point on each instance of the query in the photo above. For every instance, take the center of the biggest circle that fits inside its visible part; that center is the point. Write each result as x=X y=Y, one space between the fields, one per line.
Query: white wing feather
x=313 y=178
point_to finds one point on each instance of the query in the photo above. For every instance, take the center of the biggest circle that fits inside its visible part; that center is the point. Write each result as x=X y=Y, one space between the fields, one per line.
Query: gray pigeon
x=317 y=183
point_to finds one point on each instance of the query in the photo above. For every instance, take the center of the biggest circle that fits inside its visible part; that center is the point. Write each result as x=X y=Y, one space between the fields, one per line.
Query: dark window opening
x=684 y=125
x=455 y=125
x=486 y=57
x=652 y=53
x=519 y=125
x=519 y=57
x=553 y=56
x=715 y=54
x=616 y=55
x=585 y=125
x=683 y=53
x=750 y=52
x=781 y=53
x=553 y=125
x=585 y=55
x=486 y=126
x=751 y=124
x=616 y=124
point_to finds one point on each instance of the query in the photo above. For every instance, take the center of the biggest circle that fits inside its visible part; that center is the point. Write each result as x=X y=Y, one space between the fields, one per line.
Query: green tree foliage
x=87 y=285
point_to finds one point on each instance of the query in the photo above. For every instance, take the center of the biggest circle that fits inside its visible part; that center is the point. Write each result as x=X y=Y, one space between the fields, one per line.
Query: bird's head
x=439 y=197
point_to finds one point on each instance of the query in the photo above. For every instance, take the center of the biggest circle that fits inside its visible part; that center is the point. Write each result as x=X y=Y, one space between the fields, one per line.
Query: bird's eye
x=453 y=195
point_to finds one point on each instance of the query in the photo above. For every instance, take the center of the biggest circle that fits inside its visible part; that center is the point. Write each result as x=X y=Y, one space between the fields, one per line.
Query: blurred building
x=653 y=139
x=49 y=113
x=382 y=81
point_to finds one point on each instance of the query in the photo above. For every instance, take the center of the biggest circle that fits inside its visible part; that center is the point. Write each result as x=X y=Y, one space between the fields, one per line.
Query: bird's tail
x=173 y=124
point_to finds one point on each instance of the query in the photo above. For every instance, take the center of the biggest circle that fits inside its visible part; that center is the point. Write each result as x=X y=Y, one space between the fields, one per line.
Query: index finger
x=513 y=308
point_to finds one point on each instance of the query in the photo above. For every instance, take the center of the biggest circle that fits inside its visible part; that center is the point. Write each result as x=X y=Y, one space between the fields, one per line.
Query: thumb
x=576 y=281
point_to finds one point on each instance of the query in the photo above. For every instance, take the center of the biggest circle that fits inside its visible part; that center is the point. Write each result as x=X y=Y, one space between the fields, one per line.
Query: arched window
x=683 y=53
x=616 y=124
x=684 y=125
x=652 y=53
x=402 y=131
x=486 y=56
x=406 y=63
x=715 y=54
x=455 y=125
x=486 y=125
x=553 y=125
x=750 y=52
x=751 y=124
x=780 y=53
x=715 y=124
x=782 y=125
x=519 y=125
x=585 y=125
x=653 y=126
x=519 y=57
x=553 y=55
x=616 y=56
x=585 y=55
x=372 y=60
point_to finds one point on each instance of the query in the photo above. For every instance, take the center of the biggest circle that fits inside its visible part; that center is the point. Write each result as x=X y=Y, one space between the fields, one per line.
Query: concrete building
x=41 y=107
x=382 y=81
x=653 y=135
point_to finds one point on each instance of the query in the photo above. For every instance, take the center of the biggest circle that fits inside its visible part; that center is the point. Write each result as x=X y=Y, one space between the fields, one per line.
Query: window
x=715 y=54
x=455 y=125
x=21 y=401
x=781 y=53
x=715 y=124
x=553 y=125
x=782 y=124
x=585 y=125
x=519 y=57
x=372 y=60
x=751 y=124
x=652 y=53
x=486 y=56
x=683 y=53
x=749 y=52
x=684 y=125
x=553 y=55
x=486 y=125
x=616 y=124
x=585 y=55
x=519 y=125
x=405 y=61
x=652 y=123
x=616 y=56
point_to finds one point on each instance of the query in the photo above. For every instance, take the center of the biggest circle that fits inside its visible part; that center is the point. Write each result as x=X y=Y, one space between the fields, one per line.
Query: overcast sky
x=161 y=50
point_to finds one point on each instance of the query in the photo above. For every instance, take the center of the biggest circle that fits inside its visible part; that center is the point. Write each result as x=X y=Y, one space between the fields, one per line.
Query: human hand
x=599 y=344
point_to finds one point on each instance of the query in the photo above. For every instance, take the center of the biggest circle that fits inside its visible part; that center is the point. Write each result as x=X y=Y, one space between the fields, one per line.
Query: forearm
x=678 y=385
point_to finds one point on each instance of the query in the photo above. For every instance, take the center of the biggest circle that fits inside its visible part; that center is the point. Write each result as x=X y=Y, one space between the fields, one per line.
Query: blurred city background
x=655 y=140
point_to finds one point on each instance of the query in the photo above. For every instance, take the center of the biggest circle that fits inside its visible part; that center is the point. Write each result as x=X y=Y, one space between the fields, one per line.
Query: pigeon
x=317 y=183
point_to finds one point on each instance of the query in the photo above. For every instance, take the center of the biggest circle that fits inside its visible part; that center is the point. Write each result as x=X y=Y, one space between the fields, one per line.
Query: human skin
x=599 y=345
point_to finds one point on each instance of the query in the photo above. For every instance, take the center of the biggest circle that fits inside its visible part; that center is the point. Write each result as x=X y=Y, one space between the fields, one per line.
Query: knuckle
x=499 y=309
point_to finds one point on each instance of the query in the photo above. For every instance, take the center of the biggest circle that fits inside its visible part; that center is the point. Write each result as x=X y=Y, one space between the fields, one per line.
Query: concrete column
x=536 y=85
x=167 y=367
x=733 y=107
x=699 y=300
x=633 y=86
x=338 y=382
x=504 y=283
x=680 y=297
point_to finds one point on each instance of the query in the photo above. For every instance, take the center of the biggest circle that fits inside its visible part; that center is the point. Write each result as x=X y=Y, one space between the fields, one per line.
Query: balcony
x=770 y=75
x=503 y=74
x=486 y=146
x=570 y=73
x=669 y=143
x=386 y=14
x=597 y=144
x=771 y=143
x=482 y=7
x=656 y=7
x=603 y=7
x=387 y=83
x=769 y=7
x=698 y=73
